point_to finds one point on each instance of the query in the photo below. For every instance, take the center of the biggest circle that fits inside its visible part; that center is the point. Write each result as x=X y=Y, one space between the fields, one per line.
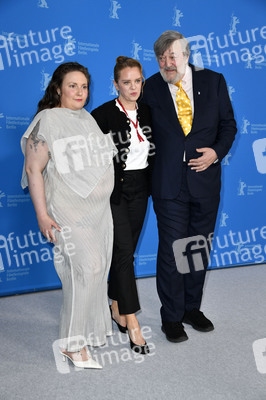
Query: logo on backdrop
x=223 y=219
x=140 y=53
x=45 y=79
x=2 y=195
x=250 y=190
x=231 y=90
x=84 y=48
x=245 y=124
x=246 y=46
x=112 y=89
x=113 y=9
x=176 y=18
x=233 y=24
x=259 y=150
x=42 y=4
x=241 y=188
x=16 y=122
x=136 y=47
x=226 y=159
x=248 y=63
x=36 y=47
x=13 y=200
x=1 y=119
x=250 y=128
x=234 y=21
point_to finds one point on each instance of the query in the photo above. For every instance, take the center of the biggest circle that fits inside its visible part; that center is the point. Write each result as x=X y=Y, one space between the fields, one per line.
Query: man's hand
x=202 y=163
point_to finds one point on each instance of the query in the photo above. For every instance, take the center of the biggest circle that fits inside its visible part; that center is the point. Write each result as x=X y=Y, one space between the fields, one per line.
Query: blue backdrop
x=37 y=35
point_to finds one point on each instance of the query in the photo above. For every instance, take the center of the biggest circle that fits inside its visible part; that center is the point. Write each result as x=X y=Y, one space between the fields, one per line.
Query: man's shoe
x=174 y=332
x=198 y=321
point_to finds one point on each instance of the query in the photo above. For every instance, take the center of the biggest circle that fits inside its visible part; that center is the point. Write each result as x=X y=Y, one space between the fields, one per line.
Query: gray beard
x=176 y=79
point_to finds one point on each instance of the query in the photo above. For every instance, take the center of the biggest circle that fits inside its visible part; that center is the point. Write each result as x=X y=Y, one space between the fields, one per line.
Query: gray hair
x=165 y=41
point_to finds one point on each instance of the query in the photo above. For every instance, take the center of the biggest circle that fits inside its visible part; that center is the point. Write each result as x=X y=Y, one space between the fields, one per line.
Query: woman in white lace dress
x=69 y=170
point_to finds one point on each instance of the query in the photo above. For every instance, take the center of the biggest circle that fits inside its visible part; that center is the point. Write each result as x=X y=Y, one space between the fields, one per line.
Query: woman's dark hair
x=51 y=97
x=124 y=62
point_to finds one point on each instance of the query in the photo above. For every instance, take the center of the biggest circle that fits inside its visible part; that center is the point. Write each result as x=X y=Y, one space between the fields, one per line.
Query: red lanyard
x=134 y=124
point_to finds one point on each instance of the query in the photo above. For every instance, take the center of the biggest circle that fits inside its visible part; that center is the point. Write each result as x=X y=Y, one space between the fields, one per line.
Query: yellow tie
x=184 y=109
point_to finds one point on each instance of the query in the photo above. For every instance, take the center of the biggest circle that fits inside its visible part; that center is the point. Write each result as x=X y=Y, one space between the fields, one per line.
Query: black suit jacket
x=213 y=126
x=111 y=120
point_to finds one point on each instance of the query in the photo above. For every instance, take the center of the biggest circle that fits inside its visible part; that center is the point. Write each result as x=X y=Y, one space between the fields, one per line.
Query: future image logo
x=191 y=251
x=259 y=150
x=259 y=350
x=115 y=351
x=36 y=47
x=42 y=4
x=71 y=153
x=2 y=195
x=230 y=48
x=199 y=51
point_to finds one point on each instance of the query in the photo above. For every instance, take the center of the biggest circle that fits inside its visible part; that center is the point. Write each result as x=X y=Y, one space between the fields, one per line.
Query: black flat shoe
x=174 y=331
x=198 y=321
x=123 y=329
x=139 y=348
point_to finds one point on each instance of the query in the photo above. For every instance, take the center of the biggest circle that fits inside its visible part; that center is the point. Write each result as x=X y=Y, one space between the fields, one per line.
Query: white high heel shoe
x=90 y=363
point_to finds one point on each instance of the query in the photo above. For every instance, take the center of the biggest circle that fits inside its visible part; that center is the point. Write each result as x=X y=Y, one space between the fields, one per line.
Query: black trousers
x=183 y=217
x=128 y=217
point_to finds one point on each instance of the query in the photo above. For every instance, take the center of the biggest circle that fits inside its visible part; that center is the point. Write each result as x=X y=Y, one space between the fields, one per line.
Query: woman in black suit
x=130 y=126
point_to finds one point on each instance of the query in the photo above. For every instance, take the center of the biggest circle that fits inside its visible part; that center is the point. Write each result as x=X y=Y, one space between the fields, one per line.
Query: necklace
x=134 y=124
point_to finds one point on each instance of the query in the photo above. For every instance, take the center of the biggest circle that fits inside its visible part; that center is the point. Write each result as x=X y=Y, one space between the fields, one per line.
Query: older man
x=194 y=128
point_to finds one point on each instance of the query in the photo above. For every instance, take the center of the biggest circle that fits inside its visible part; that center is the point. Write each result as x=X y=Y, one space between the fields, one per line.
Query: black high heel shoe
x=139 y=348
x=123 y=329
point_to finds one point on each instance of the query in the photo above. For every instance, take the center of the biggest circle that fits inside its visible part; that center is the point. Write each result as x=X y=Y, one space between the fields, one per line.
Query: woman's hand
x=46 y=225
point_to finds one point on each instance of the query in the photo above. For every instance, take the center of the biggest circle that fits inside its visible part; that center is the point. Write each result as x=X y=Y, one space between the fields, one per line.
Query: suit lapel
x=163 y=92
x=199 y=95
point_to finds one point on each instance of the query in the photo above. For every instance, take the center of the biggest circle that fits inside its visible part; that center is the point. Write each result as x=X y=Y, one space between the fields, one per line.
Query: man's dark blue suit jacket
x=213 y=126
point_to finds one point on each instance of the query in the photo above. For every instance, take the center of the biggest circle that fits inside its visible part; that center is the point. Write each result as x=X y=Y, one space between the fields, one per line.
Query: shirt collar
x=121 y=109
x=188 y=75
